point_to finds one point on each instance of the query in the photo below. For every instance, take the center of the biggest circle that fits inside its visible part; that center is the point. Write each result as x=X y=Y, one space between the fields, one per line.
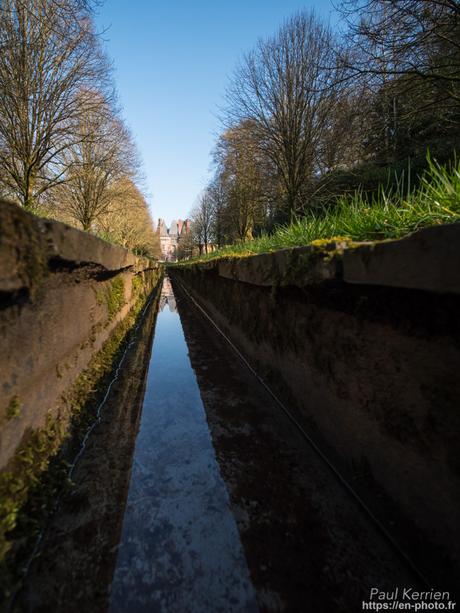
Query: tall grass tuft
x=390 y=214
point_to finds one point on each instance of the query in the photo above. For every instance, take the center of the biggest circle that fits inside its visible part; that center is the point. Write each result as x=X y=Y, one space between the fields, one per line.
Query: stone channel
x=202 y=497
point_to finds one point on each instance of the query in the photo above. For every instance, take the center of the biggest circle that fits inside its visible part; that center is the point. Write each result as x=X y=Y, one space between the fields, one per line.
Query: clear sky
x=172 y=62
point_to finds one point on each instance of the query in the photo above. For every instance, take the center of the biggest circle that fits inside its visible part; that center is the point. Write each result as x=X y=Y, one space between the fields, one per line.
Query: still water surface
x=180 y=549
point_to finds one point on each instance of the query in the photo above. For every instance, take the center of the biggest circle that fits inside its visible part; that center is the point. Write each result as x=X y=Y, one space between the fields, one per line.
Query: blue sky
x=172 y=62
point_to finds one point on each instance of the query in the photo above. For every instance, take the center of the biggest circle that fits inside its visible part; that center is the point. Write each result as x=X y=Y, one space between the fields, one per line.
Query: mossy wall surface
x=370 y=371
x=67 y=302
x=80 y=543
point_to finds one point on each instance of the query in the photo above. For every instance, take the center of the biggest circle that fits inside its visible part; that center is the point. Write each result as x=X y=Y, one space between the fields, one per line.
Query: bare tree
x=241 y=181
x=217 y=193
x=285 y=87
x=202 y=221
x=128 y=222
x=417 y=39
x=49 y=54
x=102 y=156
x=340 y=145
x=186 y=246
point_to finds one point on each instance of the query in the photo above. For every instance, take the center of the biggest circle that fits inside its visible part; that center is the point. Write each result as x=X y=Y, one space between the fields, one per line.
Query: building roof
x=176 y=229
x=173 y=228
x=162 y=229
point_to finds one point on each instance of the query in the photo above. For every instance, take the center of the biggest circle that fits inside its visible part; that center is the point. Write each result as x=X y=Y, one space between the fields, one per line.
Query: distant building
x=170 y=237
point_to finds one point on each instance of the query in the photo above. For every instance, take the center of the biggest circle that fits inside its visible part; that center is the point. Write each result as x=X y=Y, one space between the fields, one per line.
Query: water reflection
x=167 y=296
x=180 y=549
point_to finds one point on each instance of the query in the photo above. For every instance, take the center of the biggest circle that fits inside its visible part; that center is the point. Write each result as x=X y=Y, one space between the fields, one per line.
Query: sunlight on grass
x=388 y=215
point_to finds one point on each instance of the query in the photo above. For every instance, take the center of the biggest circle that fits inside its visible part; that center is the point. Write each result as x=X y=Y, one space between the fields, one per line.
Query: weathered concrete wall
x=363 y=343
x=63 y=293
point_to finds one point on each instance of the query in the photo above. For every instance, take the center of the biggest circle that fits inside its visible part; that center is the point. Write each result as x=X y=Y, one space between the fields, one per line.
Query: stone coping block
x=72 y=245
x=428 y=259
x=29 y=243
x=297 y=266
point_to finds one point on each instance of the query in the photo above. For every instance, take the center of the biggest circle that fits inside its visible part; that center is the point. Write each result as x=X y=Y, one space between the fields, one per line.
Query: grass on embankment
x=389 y=215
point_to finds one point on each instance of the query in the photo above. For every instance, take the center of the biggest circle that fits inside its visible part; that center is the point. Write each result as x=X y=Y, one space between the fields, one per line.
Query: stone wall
x=362 y=343
x=63 y=295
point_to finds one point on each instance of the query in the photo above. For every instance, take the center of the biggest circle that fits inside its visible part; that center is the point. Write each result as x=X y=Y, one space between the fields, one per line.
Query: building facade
x=170 y=237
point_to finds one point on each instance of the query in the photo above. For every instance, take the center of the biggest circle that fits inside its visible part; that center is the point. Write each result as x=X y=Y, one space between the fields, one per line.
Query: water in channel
x=180 y=549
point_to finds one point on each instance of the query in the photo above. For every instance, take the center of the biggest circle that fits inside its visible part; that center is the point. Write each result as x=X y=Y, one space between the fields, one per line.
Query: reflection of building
x=171 y=237
x=167 y=296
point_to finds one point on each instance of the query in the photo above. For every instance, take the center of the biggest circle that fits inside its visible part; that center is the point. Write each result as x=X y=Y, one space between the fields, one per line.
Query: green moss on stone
x=330 y=244
x=26 y=477
x=113 y=296
x=22 y=472
x=14 y=408
x=138 y=284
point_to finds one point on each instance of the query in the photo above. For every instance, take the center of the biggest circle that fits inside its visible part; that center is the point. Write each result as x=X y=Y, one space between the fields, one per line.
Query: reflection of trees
x=167 y=296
